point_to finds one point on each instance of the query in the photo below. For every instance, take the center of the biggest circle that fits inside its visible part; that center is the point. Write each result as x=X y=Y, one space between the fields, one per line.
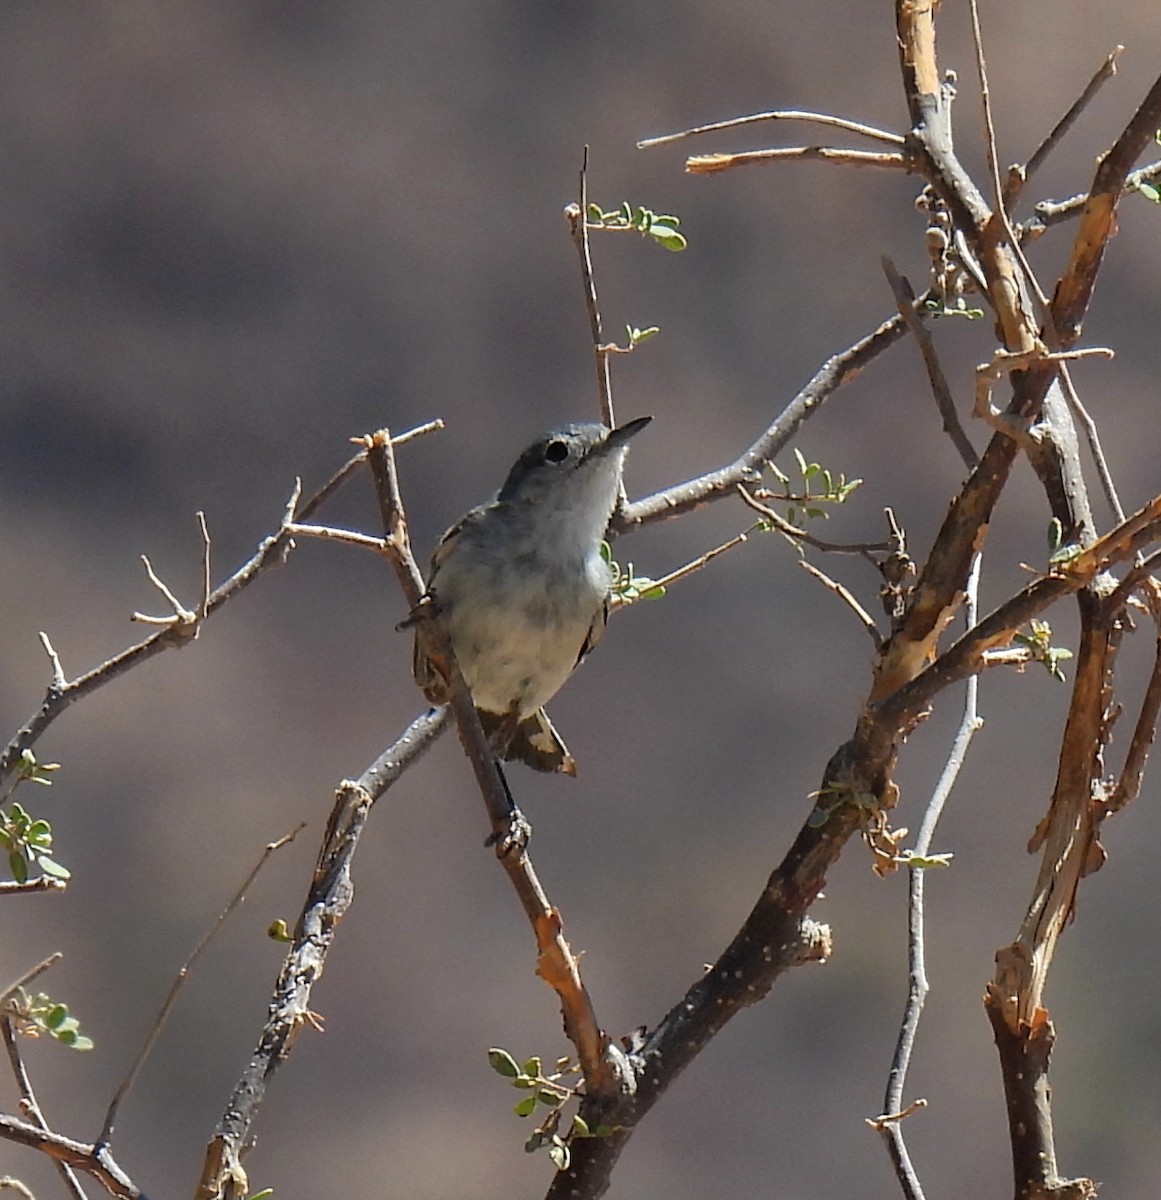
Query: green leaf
x=559 y=1154
x=56 y=1016
x=1149 y=192
x=17 y=866
x=580 y=1127
x=525 y=1107
x=533 y=1065
x=1055 y=534
x=925 y=862
x=669 y=238
x=264 y=1194
x=503 y=1063
x=54 y=869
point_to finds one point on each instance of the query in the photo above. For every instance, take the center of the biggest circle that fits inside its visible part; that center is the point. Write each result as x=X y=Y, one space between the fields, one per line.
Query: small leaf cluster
x=637 y=336
x=37 y=1015
x=1038 y=642
x=661 y=227
x=28 y=839
x=546 y=1091
x=805 y=503
x=628 y=587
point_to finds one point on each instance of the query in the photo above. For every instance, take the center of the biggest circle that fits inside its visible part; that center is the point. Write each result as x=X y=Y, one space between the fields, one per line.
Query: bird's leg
x=516 y=836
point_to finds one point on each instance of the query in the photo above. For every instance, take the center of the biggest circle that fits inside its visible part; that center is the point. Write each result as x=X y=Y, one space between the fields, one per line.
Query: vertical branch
x=578 y=217
x=890 y=1123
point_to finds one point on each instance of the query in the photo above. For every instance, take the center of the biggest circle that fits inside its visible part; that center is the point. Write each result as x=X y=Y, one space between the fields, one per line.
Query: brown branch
x=1055 y=212
x=869 y=131
x=43 y=883
x=1098 y=222
x=917 y=984
x=944 y=401
x=179 y=981
x=577 y=216
x=177 y=632
x=713 y=164
x=87 y=1159
x=328 y=899
x=1145 y=730
x=1019 y=176
x=717 y=484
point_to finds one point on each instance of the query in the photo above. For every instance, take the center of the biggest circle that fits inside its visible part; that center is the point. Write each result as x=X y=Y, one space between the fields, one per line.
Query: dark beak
x=620 y=435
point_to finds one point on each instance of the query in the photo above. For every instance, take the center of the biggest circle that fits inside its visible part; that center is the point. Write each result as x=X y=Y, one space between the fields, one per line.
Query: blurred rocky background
x=233 y=235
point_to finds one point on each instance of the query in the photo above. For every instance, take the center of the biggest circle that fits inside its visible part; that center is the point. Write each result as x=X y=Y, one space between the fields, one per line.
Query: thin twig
x=59 y=679
x=29 y=1105
x=1129 y=781
x=720 y=483
x=944 y=401
x=869 y=131
x=690 y=568
x=577 y=216
x=42 y=883
x=1019 y=176
x=917 y=983
x=179 y=981
x=848 y=597
x=7 y=1182
x=28 y=977
x=207 y=578
x=712 y=164
x=89 y=1160
x=270 y=553
x=181 y=616
x=772 y=518
x=1092 y=436
x=1055 y=212
x=329 y=897
x=331 y=534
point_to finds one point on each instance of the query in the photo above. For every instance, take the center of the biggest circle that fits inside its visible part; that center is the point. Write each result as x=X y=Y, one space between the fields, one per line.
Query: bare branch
x=869 y=131
x=330 y=896
x=28 y=977
x=714 y=485
x=577 y=216
x=713 y=164
x=1019 y=176
x=848 y=598
x=179 y=981
x=271 y=552
x=29 y=1105
x=917 y=984
x=944 y=401
x=87 y=1159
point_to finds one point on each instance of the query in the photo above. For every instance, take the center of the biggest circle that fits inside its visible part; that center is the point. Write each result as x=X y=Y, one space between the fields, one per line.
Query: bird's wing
x=596 y=629
x=428 y=671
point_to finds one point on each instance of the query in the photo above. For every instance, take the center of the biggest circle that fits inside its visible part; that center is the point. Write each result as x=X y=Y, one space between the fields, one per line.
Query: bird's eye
x=556 y=452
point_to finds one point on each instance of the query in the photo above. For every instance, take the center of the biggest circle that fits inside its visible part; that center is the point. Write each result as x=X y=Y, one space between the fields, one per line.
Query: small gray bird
x=522 y=590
